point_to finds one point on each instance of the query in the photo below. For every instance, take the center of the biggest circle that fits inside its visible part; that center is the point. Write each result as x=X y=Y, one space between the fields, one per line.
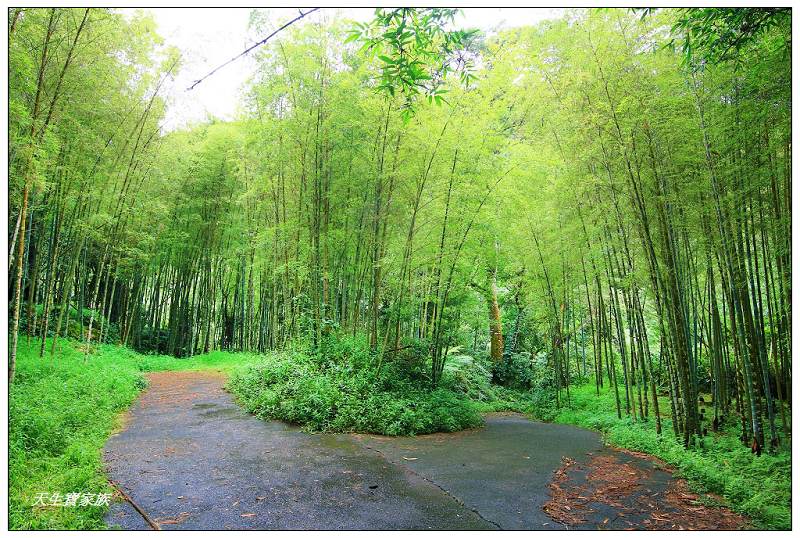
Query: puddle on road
x=215 y=410
x=338 y=442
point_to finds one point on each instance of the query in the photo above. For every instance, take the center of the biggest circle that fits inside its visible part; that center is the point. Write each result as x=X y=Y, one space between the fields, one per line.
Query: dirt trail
x=192 y=459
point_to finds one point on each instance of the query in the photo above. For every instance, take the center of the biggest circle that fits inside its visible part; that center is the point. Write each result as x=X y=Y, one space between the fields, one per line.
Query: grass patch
x=61 y=413
x=759 y=487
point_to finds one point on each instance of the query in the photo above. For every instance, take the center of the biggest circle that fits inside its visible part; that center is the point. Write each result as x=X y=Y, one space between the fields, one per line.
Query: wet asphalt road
x=502 y=470
x=192 y=459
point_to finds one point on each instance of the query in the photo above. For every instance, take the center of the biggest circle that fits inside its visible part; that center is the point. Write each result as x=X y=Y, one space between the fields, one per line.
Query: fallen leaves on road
x=608 y=483
x=180 y=518
x=555 y=508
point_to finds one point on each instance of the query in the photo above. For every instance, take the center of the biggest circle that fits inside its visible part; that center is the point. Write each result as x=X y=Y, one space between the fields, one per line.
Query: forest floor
x=190 y=458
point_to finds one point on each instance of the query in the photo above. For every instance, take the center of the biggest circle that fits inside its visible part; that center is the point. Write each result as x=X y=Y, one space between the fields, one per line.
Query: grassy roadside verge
x=61 y=413
x=758 y=487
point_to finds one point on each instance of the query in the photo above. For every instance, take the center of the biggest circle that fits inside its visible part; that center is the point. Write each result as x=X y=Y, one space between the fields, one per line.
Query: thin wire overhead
x=256 y=45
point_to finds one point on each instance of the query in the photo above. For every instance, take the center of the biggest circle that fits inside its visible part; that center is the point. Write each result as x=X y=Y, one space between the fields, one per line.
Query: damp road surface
x=190 y=458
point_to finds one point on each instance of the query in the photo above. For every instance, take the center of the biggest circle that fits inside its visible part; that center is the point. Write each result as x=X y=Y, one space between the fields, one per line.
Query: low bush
x=342 y=389
x=515 y=371
x=75 y=321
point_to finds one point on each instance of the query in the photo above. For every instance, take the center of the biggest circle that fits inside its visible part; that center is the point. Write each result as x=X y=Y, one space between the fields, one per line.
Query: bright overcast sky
x=208 y=37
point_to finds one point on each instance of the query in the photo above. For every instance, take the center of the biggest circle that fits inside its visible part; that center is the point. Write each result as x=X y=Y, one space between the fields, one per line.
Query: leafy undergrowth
x=759 y=487
x=61 y=411
x=342 y=390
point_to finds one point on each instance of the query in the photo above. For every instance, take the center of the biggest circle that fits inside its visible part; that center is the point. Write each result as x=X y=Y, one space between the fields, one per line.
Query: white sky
x=208 y=37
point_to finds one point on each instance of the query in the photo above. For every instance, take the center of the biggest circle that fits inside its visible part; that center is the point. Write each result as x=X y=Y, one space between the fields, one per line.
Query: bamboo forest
x=428 y=272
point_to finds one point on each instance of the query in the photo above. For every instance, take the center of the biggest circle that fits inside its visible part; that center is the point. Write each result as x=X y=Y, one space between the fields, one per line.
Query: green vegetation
x=414 y=223
x=61 y=413
x=341 y=389
x=759 y=487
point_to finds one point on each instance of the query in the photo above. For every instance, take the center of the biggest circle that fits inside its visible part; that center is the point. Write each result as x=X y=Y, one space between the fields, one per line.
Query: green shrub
x=515 y=371
x=470 y=377
x=71 y=323
x=340 y=389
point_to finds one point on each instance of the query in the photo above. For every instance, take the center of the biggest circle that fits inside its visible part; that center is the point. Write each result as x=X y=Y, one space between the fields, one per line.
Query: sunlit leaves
x=416 y=51
x=718 y=34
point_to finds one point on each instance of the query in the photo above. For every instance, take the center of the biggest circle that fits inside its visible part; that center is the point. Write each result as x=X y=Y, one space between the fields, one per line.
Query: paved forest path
x=190 y=458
